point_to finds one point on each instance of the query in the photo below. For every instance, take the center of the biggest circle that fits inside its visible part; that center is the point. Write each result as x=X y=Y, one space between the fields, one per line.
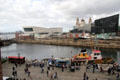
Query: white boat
x=96 y=55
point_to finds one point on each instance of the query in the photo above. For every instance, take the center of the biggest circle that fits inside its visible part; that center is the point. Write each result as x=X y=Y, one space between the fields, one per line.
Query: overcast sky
x=14 y=14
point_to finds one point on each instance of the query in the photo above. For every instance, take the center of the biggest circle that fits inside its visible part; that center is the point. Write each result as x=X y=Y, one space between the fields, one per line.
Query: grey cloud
x=52 y=13
x=94 y=7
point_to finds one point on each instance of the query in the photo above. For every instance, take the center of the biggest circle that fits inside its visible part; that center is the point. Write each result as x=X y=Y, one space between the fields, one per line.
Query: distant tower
x=77 y=22
x=82 y=21
x=90 y=20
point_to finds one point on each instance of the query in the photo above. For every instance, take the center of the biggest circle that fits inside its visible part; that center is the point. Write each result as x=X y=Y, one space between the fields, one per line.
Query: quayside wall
x=77 y=43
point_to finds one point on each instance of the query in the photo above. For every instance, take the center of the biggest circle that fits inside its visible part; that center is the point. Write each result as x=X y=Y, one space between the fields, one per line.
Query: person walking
x=117 y=76
x=47 y=73
x=63 y=68
x=87 y=78
x=16 y=65
x=101 y=69
x=51 y=77
x=87 y=67
x=13 y=68
x=96 y=79
x=42 y=71
x=24 y=79
x=15 y=73
x=26 y=70
x=28 y=73
x=84 y=76
x=109 y=71
x=94 y=68
x=56 y=75
x=53 y=67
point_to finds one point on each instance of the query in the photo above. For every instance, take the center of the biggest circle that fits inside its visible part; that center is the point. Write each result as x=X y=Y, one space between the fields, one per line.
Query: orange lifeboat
x=82 y=56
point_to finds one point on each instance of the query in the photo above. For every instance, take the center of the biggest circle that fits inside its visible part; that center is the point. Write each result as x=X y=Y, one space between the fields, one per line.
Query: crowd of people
x=52 y=74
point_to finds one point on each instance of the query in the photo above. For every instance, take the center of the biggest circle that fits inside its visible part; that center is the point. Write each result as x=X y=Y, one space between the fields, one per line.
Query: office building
x=108 y=25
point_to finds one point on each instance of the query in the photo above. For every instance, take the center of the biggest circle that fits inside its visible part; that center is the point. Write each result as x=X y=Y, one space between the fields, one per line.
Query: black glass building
x=106 y=25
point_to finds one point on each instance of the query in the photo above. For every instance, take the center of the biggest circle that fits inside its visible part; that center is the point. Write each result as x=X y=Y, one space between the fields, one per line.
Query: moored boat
x=59 y=62
x=81 y=57
x=16 y=59
x=84 y=56
x=96 y=55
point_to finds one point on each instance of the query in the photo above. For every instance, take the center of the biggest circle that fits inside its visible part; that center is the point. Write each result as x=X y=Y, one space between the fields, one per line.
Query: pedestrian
x=28 y=73
x=63 y=68
x=42 y=71
x=87 y=78
x=47 y=73
x=16 y=65
x=113 y=72
x=48 y=67
x=84 y=76
x=96 y=66
x=87 y=67
x=51 y=77
x=117 y=76
x=15 y=73
x=56 y=75
x=109 y=71
x=93 y=68
x=13 y=68
x=101 y=69
x=24 y=79
x=26 y=70
x=52 y=67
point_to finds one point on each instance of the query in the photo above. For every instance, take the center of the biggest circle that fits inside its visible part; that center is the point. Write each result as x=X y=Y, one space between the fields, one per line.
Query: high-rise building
x=106 y=25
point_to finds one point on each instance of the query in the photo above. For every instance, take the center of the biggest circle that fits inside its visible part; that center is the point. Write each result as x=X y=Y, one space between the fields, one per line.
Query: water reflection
x=33 y=51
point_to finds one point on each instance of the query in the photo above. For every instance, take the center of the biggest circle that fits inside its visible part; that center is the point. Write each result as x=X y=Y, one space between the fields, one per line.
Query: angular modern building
x=41 y=32
x=108 y=25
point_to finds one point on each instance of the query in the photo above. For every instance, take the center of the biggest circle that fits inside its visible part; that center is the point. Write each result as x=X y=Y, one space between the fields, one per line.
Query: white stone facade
x=40 y=32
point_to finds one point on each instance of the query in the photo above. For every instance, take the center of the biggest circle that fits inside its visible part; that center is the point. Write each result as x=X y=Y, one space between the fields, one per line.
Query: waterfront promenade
x=66 y=75
x=113 y=44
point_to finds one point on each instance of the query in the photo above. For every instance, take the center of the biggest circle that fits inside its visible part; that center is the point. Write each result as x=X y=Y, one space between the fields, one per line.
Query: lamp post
x=1 y=76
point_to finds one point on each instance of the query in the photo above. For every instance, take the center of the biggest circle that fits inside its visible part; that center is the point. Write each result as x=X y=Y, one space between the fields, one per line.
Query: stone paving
x=66 y=75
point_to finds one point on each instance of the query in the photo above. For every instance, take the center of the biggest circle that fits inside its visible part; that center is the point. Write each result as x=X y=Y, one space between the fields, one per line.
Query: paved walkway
x=66 y=75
